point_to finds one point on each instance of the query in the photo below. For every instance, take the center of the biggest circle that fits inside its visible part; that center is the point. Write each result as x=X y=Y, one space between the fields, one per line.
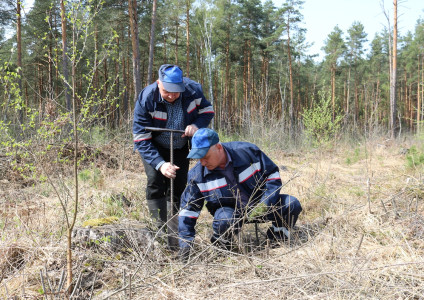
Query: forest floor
x=360 y=235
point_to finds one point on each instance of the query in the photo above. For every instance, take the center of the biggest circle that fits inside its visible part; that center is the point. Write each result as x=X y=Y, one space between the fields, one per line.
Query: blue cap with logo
x=202 y=140
x=172 y=78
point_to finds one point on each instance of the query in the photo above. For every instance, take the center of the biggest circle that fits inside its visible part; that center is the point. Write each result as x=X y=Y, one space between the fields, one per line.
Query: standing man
x=173 y=102
x=239 y=183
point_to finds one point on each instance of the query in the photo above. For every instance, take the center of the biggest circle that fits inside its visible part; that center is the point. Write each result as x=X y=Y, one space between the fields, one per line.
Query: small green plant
x=356 y=191
x=414 y=158
x=104 y=239
x=96 y=135
x=92 y=176
x=320 y=127
x=353 y=157
x=113 y=206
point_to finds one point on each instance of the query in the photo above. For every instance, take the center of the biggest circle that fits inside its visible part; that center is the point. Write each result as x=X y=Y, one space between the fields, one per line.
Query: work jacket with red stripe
x=149 y=111
x=255 y=175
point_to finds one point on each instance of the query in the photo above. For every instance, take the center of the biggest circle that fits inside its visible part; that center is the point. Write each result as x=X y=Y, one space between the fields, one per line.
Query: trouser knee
x=223 y=221
x=288 y=212
x=294 y=209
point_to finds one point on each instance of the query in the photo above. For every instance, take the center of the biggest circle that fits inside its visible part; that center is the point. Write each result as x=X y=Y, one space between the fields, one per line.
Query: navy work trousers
x=158 y=186
x=284 y=213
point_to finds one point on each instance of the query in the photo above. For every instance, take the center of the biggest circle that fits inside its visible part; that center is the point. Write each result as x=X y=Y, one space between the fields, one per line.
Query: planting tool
x=172 y=222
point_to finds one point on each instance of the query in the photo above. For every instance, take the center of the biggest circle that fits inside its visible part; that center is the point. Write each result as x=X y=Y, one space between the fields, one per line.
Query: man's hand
x=168 y=170
x=190 y=130
x=258 y=211
x=184 y=254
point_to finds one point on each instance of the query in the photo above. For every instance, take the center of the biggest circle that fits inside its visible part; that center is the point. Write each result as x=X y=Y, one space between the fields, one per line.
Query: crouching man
x=239 y=183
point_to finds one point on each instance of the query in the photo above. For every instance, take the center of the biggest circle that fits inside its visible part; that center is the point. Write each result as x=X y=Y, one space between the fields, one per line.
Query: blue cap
x=202 y=140
x=172 y=78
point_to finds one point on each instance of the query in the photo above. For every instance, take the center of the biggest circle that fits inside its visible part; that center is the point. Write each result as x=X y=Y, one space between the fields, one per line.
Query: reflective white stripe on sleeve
x=206 y=110
x=191 y=107
x=189 y=214
x=159 y=115
x=142 y=136
x=246 y=174
x=212 y=185
x=274 y=176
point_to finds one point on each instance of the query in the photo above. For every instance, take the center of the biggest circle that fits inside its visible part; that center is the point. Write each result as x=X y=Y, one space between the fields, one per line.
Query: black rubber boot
x=158 y=212
x=220 y=242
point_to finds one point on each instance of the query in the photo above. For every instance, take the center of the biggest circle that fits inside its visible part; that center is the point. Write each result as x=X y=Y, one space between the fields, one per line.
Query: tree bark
x=291 y=109
x=418 y=95
x=65 y=56
x=188 y=3
x=132 y=9
x=177 y=26
x=394 y=74
x=152 y=45
x=19 y=59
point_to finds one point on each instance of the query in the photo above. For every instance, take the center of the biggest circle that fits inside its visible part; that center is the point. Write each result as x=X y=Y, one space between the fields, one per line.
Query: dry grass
x=360 y=236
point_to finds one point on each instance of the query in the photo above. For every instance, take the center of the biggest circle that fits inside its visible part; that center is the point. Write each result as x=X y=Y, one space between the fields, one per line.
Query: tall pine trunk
x=188 y=3
x=419 y=94
x=291 y=108
x=65 y=56
x=152 y=45
x=19 y=60
x=393 y=76
x=132 y=9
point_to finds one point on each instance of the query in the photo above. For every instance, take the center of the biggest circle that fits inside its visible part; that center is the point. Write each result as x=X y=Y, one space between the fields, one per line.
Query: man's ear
x=218 y=146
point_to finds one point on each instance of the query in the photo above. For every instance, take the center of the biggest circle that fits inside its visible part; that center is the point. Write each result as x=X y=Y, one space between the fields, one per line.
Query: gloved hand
x=259 y=210
x=184 y=254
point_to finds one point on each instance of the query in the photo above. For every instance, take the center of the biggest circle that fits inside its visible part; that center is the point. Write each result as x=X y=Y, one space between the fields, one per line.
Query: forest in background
x=70 y=72
x=249 y=56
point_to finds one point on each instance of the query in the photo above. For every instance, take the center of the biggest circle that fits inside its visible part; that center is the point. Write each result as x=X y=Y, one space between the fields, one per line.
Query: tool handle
x=164 y=129
x=171 y=154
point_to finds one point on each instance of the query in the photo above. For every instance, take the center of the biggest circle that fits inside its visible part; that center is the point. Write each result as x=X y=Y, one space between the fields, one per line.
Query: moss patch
x=100 y=222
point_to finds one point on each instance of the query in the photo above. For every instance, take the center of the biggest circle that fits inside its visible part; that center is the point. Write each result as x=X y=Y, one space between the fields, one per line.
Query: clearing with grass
x=360 y=235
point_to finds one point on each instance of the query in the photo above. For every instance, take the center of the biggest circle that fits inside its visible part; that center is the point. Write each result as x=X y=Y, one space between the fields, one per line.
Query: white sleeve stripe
x=188 y=213
x=246 y=174
x=142 y=136
x=274 y=176
x=208 y=109
x=159 y=115
x=212 y=185
x=198 y=101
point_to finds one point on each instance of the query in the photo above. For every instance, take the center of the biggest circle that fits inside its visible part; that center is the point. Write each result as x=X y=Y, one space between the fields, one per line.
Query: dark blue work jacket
x=149 y=111
x=255 y=174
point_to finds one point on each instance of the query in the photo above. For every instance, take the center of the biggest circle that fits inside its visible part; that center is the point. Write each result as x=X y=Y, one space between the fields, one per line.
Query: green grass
x=354 y=156
x=92 y=176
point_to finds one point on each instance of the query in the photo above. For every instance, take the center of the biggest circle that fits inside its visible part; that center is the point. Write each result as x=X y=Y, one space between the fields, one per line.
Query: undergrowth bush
x=415 y=157
x=320 y=128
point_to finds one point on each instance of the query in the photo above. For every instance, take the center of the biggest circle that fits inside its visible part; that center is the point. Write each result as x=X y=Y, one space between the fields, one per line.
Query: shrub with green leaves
x=318 y=121
x=415 y=157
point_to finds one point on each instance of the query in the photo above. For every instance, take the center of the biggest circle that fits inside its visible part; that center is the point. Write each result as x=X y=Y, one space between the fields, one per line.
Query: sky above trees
x=320 y=17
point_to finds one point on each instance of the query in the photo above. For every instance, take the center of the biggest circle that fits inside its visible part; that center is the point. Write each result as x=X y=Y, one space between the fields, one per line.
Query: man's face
x=167 y=96
x=213 y=157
